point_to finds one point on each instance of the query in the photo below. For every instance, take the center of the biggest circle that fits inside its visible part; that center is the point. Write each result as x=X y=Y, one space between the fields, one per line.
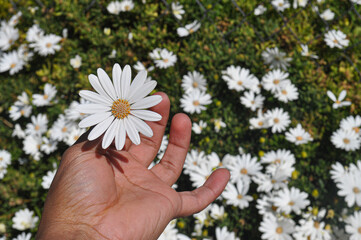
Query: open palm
x=109 y=194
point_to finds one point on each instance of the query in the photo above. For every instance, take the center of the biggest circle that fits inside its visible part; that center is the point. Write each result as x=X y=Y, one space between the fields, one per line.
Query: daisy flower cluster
x=348 y=136
x=115 y=7
x=17 y=51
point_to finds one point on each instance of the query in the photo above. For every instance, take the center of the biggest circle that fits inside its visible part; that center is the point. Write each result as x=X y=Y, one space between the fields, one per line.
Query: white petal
x=94 y=81
x=94 y=119
x=100 y=128
x=137 y=82
x=92 y=108
x=131 y=131
x=331 y=96
x=94 y=97
x=147 y=102
x=146 y=115
x=125 y=81
x=109 y=134
x=342 y=95
x=143 y=91
x=106 y=83
x=117 y=72
x=120 y=135
x=141 y=126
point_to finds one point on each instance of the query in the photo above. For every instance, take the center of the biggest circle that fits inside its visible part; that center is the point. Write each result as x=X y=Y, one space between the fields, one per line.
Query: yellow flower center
x=253 y=102
x=1 y=159
x=239 y=196
x=356 y=190
x=284 y=92
x=244 y=171
x=338 y=102
x=191 y=30
x=37 y=127
x=64 y=129
x=13 y=65
x=46 y=96
x=196 y=103
x=346 y=140
x=299 y=138
x=277 y=161
x=316 y=225
x=279 y=230
x=195 y=84
x=276 y=81
x=48 y=45
x=165 y=60
x=22 y=112
x=260 y=123
x=359 y=230
x=280 y=4
x=76 y=137
x=356 y=129
x=291 y=203
x=127 y=8
x=335 y=41
x=276 y=120
x=121 y=108
x=239 y=82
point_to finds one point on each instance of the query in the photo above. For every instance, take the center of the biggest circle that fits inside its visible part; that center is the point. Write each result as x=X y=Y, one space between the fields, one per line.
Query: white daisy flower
x=336 y=38
x=118 y=107
x=298 y=135
x=126 y=5
x=73 y=135
x=311 y=229
x=38 y=125
x=46 y=98
x=266 y=206
x=259 y=10
x=23 y=236
x=306 y=53
x=259 y=122
x=47 y=45
x=34 y=34
x=353 y=226
x=237 y=195
x=8 y=35
x=299 y=3
x=351 y=123
x=244 y=168
x=195 y=101
x=72 y=114
x=275 y=58
x=188 y=29
x=239 y=79
x=25 y=53
x=5 y=158
x=224 y=234
x=14 y=20
x=198 y=127
x=177 y=10
x=21 y=107
x=194 y=159
x=163 y=58
x=60 y=128
x=252 y=101
x=217 y=212
x=288 y=200
x=327 y=15
x=170 y=232
x=273 y=228
x=356 y=1
x=139 y=66
x=114 y=7
x=18 y=132
x=338 y=102
x=338 y=172
x=278 y=157
x=48 y=179
x=194 y=80
x=280 y=5
x=48 y=145
x=31 y=146
x=347 y=140
x=287 y=92
x=272 y=80
x=76 y=61
x=218 y=124
x=24 y=219
x=11 y=62
x=278 y=119
x=200 y=174
x=350 y=188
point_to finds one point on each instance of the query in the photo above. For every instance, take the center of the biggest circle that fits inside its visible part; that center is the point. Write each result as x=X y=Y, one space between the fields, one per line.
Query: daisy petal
x=144 y=91
x=141 y=126
x=117 y=72
x=106 y=83
x=92 y=108
x=120 y=135
x=94 y=97
x=100 y=128
x=146 y=115
x=94 y=81
x=331 y=96
x=94 y=119
x=125 y=81
x=132 y=131
x=110 y=134
x=138 y=81
x=342 y=95
x=147 y=102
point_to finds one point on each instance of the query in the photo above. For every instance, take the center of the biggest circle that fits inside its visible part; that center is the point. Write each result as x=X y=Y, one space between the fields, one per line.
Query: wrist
x=66 y=232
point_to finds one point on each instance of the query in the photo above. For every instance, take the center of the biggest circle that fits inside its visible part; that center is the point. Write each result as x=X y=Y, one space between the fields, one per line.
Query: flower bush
x=273 y=91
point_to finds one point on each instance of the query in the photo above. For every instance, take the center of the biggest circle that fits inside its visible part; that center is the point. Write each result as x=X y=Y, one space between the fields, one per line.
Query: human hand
x=110 y=194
